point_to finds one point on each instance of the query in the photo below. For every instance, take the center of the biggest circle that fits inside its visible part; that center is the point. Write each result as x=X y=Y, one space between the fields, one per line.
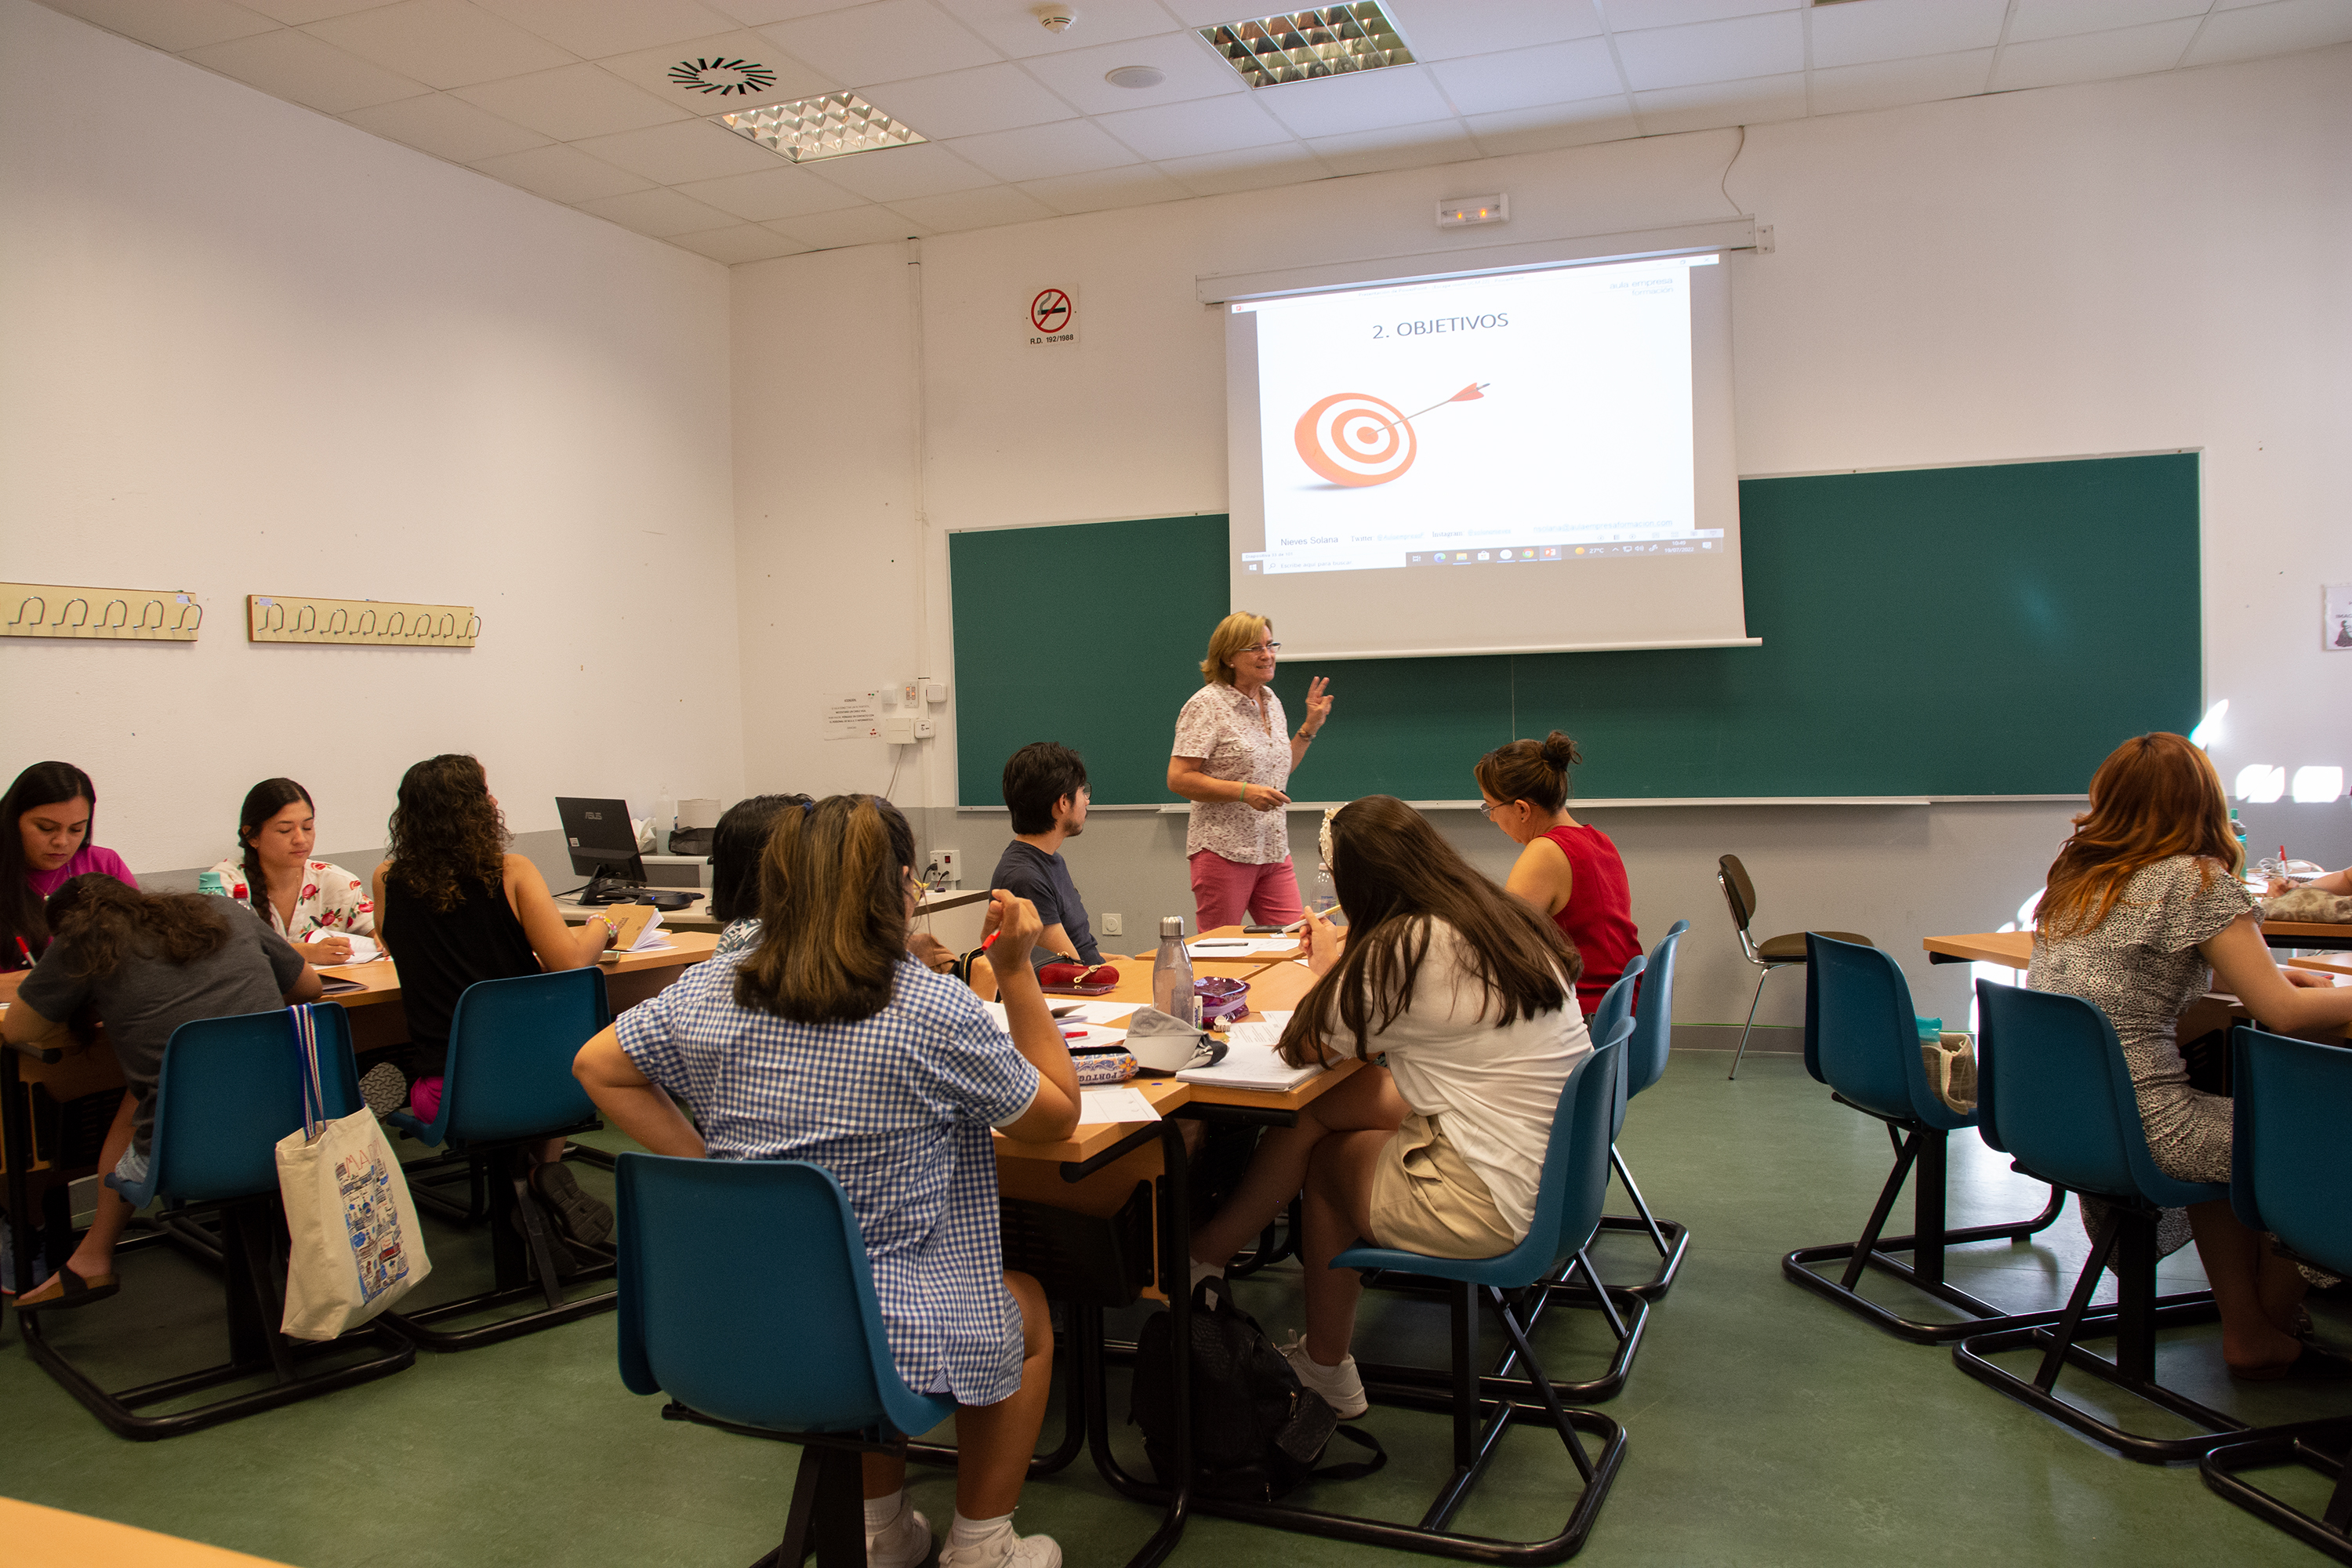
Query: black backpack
x=1256 y=1430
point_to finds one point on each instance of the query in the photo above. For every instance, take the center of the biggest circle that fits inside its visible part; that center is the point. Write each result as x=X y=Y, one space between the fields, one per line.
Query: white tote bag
x=356 y=1248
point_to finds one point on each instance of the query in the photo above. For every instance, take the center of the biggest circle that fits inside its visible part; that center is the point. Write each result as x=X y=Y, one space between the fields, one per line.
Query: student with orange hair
x=2145 y=910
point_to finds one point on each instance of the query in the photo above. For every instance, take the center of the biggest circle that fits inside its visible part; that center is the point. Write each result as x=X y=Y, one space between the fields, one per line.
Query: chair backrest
x=785 y=1334
x=230 y=1089
x=1654 y=1016
x=1613 y=1019
x=2055 y=1092
x=1576 y=1160
x=2289 y=1173
x=1861 y=1037
x=1738 y=892
x=511 y=1043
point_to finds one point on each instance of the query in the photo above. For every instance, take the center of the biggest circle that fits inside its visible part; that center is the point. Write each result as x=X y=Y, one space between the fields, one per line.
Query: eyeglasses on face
x=1492 y=807
x=1257 y=648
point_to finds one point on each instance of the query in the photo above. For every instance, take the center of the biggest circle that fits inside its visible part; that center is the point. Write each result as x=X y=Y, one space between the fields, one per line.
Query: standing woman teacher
x=1234 y=754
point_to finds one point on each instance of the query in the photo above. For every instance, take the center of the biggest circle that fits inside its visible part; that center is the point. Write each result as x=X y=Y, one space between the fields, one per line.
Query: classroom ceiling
x=581 y=102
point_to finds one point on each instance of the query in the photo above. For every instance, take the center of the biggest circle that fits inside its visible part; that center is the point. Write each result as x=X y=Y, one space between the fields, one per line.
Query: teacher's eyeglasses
x=1257 y=648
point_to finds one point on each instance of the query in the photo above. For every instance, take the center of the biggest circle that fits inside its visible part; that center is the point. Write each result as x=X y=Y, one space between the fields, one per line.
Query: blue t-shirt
x=1028 y=872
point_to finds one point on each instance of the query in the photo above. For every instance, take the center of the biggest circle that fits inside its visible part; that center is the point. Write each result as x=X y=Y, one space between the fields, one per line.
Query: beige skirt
x=1427 y=1199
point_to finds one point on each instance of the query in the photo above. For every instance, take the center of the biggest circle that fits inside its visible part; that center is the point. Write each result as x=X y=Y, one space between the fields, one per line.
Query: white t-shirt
x=1495 y=1087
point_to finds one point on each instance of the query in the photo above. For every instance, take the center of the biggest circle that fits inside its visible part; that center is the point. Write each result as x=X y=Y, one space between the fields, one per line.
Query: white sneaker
x=1005 y=1550
x=1341 y=1389
x=903 y=1542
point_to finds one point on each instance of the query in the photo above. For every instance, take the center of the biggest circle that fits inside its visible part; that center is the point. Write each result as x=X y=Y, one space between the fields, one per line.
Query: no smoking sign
x=1053 y=317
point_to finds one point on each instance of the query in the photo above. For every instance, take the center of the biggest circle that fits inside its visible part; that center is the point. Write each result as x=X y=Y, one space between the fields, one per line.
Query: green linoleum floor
x=1767 y=1427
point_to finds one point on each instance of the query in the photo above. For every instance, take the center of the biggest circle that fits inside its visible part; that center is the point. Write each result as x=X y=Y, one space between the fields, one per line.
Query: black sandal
x=578 y=1216
x=70 y=1289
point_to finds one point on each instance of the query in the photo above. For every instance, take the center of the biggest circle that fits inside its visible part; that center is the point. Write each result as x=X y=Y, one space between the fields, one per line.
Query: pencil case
x=1077 y=979
x=1098 y=1064
x=1223 y=999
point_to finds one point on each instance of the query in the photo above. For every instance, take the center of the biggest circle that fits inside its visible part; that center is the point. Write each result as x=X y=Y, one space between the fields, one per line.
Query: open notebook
x=1249 y=1066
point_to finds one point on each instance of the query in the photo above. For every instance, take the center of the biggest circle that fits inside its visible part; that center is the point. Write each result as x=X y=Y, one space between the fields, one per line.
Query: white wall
x=2124 y=267
x=252 y=350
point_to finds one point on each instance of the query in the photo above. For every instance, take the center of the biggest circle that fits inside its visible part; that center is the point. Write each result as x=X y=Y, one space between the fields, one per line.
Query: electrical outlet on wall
x=1114 y=925
x=950 y=865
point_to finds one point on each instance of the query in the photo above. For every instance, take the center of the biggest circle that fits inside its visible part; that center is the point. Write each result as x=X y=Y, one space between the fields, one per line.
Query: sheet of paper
x=365 y=949
x=996 y=1011
x=1250 y=1067
x=1118 y=1104
x=1103 y=1012
x=1241 y=946
x=1093 y=1035
x=1267 y=1036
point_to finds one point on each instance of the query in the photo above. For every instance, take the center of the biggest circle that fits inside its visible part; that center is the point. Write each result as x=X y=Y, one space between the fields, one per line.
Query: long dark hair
x=446 y=830
x=102 y=923
x=737 y=846
x=2156 y=796
x=43 y=784
x=833 y=913
x=1395 y=875
x=262 y=802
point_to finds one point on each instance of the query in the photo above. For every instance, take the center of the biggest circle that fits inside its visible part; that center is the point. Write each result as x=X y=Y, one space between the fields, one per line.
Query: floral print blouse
x=332 y=899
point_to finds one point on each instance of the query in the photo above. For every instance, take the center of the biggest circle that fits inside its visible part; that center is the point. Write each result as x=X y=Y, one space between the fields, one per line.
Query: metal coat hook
x=38 y=616
x=160 y=615
x=191 y=608
x=344 y=617
x=106 y=617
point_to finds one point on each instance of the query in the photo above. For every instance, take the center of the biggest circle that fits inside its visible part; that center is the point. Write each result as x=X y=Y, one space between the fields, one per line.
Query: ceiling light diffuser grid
x=1301 y=46
x=830 y=127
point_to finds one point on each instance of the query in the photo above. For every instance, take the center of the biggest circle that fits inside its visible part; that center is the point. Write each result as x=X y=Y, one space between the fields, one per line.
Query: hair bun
x=1560 y=752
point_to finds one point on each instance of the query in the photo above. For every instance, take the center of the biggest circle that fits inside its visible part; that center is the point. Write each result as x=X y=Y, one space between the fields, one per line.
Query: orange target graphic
x=1351 y=439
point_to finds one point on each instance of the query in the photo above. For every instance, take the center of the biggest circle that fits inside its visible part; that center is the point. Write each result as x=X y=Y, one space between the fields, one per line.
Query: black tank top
x=441 y=952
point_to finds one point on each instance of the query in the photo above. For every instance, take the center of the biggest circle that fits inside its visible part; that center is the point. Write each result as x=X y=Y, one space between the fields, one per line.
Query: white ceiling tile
x=297 y=68
x=1361 y=100
x=1716 y=104
x=1254 y=169
x=786 y=191
x=990 y=207
x=707 y=69
x=1856 y=34
x=888 y=40
x=656 y=213
x=2092 y=56
x=1521 y=78
x=851 y=225
x=1443 y=29
x=1203 y=125
x=2036 y=19
x=447 y=43
x=2271 y=29
x=1714 y=51
x=445 y=127
x=170 y=25
x=560 y=173
x=760 y=13
x=594 y=28
x=1396 y=147
x=968 y=102
x=572 y=102
x=1625 y=16
x=1192 y=68
x=294 y=13
x=1106 y=188
x=1013 y=26
x=688 y=150
x=893 y=173
x=743 y=242
x=1553 y=126
x=1041 y=151
x=1888 y=84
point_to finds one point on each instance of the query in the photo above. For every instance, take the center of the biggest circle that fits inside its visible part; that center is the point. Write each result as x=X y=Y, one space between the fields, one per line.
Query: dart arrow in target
x=1353 y=439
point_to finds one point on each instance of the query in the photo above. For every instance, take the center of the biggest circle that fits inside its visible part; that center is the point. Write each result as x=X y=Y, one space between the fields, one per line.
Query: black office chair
x=1774 y=952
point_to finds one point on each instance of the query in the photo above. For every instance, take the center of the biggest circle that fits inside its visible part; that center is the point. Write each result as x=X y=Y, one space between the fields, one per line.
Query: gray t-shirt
x=147 y=996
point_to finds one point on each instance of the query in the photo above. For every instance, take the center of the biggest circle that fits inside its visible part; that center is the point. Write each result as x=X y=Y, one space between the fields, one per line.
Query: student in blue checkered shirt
x=825 y=1041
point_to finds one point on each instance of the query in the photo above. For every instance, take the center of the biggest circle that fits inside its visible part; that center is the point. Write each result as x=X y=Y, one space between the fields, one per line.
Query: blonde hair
x=1235 y=631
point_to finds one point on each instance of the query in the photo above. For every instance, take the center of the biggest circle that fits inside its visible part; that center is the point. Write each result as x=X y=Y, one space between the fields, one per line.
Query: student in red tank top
x=1568 y=871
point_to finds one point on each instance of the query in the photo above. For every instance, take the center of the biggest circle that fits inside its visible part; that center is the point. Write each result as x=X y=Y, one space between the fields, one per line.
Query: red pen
x=28 y=951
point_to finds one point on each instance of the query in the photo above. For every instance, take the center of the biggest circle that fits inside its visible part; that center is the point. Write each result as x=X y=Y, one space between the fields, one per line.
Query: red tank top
x=1599 y=914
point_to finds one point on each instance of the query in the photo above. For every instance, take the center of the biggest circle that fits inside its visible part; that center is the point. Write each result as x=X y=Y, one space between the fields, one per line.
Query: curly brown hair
x=101 y=922
x=446 y=830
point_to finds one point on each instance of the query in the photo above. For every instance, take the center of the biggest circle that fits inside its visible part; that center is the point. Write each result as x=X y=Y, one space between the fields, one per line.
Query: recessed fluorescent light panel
x=829 y=127
x=1300 y=46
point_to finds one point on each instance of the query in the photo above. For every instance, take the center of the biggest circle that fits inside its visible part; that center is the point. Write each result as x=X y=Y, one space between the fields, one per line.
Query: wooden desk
x=697 y=916
x=41 y=1537
x=2014 y=950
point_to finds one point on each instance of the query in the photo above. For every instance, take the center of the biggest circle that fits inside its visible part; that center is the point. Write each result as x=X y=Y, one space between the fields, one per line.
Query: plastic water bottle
x=2238 y=831
x=211 y=882
x=1171 y=973
x=1326 y=897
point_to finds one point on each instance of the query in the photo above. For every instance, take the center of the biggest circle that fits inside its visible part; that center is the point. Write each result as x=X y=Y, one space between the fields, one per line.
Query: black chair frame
x=1625 y=1310
x=1671 y=1238
x=2125 y=1242
x=2325 y=1446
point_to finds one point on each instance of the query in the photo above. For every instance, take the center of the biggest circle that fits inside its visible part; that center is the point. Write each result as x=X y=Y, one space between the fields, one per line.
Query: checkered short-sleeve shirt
x=897 y=1107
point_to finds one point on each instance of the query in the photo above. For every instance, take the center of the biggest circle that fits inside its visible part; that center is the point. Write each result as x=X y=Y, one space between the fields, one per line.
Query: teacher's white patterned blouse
x=1238 y=743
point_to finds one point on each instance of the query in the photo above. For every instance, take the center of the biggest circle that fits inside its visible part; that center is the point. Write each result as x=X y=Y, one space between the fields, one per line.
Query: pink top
x=88 y=859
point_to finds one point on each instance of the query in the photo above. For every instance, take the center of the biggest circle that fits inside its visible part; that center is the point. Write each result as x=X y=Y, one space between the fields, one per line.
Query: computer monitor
x=604 y=845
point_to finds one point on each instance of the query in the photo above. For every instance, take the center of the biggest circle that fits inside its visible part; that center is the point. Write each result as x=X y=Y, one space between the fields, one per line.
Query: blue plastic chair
x=1862 y=1040
x=713 y=1341
x=1574 y=1185
x=2056 y=1095
x=1646 y=1063
x=229 y=1089
x=2291 y=1175
x=509 y=1083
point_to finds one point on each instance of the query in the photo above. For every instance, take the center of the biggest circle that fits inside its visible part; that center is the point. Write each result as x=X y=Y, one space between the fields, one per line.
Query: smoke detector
x=1055 y=18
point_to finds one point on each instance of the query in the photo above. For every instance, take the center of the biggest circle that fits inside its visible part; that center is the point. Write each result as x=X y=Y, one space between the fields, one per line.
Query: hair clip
x=1323 y=839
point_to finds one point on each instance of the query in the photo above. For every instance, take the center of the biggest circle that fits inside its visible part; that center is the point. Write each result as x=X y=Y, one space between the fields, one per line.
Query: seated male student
x=1045 y=786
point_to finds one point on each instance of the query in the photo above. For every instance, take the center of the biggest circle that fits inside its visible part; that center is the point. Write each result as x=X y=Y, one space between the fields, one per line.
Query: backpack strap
x=1355 y=1469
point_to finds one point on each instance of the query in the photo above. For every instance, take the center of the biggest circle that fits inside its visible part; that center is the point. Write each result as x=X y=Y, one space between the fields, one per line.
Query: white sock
x=967 y=1533
x=882 y=1512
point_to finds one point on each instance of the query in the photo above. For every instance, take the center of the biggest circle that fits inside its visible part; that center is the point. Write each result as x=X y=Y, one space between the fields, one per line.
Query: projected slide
x=1522 y=419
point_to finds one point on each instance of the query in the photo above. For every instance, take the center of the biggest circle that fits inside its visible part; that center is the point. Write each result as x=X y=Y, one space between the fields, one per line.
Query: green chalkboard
x=1990 y=630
